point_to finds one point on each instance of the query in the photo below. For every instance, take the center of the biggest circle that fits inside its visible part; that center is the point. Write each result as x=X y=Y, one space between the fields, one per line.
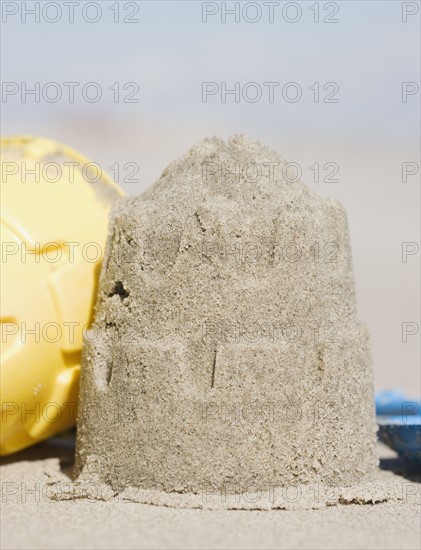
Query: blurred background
x=350 y=63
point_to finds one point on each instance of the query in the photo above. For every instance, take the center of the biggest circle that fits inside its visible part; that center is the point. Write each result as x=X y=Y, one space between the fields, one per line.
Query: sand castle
x=226 y=350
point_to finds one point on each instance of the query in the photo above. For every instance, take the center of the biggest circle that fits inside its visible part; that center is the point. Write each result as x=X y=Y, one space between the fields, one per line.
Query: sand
x=337 y=499
x=33 y=522
x=226 y=354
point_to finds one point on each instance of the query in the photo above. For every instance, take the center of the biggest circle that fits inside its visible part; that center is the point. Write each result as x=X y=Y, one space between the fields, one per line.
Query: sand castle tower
x=226 y=347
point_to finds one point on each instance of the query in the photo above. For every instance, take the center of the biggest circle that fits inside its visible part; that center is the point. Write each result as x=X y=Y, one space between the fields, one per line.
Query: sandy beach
x=30 y=519
x=191 y=376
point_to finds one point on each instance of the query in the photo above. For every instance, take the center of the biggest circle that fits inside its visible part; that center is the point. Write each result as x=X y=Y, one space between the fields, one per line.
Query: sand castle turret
x=226 y=347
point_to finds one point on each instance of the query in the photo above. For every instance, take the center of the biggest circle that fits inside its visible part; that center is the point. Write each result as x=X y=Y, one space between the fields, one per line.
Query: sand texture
x=42 y=508
x=226 y=355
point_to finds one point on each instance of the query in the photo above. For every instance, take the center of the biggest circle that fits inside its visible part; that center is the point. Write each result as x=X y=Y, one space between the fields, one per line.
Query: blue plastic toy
x=399 y=421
